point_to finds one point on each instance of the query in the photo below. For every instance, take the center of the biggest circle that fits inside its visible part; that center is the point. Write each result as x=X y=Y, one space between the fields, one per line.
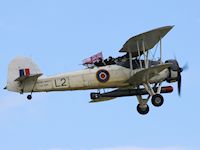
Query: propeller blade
x=179 y=85
x=185 y=67
x=181 y=69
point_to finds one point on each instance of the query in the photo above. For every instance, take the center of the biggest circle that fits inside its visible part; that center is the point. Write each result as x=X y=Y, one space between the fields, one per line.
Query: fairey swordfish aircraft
x=132 y=74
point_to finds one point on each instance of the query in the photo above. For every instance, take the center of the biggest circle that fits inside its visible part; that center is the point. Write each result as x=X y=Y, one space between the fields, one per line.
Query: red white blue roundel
x=103 y=76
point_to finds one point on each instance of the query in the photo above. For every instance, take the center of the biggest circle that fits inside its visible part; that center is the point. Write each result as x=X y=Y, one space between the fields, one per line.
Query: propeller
x=180 y=70
x=179 y=84
x=176 y=68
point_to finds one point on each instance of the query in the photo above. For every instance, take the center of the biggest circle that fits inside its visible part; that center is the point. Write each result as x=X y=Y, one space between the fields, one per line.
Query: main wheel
x=29 y=97
x=143 y=110
x=157 y=100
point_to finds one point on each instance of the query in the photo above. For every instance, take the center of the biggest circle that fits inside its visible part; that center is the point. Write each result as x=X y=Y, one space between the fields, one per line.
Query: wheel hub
x=157 y=100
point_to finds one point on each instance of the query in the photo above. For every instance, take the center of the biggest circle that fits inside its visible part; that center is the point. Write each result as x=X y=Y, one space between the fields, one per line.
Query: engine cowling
x=175 y=73
x=174 y=70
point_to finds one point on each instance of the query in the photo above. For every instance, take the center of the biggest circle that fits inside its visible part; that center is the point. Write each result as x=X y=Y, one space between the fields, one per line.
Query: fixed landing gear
x=143 y=109
x=29 y=97
x=157 y=100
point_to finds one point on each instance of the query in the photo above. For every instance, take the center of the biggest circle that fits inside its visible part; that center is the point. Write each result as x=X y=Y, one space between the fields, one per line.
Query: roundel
x=102 y=76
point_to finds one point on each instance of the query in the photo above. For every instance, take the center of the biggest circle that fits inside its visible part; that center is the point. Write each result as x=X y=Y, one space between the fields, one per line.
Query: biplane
x=132 y=74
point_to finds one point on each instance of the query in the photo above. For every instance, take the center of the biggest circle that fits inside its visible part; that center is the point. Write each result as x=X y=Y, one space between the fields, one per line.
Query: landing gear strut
x=142 y=107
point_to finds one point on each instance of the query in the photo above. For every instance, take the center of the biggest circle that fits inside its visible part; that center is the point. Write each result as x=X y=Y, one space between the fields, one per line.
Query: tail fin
x=20 y=67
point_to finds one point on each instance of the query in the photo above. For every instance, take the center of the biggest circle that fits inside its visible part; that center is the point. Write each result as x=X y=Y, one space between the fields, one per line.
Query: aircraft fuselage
x=112 y=76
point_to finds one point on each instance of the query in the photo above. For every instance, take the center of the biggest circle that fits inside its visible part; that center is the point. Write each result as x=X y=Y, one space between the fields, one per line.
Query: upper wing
x=144 y=75
x=150 y=38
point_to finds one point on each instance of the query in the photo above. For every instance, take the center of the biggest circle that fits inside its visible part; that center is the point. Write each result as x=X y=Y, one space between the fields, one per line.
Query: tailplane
x=21 y=69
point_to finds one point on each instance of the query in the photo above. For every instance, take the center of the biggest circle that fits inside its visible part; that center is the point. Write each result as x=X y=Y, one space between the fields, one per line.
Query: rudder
x=20 y=67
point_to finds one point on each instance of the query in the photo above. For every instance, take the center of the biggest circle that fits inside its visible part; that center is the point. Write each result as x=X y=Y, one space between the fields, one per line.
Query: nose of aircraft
x=175 y=67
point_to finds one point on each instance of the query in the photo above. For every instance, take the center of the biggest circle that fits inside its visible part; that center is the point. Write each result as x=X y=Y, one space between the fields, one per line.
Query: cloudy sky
x=57 y=35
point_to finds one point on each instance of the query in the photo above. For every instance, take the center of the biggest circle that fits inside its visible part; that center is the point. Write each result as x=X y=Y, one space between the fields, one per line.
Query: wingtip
x=169 y=26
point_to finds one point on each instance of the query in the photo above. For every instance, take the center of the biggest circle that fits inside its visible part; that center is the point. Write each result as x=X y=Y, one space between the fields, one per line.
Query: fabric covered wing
x=150 y=39
x=145 y=75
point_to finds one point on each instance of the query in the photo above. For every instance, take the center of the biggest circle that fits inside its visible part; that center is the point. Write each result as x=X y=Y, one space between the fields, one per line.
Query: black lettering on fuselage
x=63 y=80
x=60 y=82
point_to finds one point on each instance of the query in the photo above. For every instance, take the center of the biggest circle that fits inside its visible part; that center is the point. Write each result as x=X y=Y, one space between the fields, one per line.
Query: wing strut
x=139 y=54
x=131 y=63
x=160 y=50
x=145 y=54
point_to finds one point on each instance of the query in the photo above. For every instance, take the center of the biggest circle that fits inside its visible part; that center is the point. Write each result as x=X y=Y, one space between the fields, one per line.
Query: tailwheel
x=157 y=100
x=143 y=110
x=29 y=97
